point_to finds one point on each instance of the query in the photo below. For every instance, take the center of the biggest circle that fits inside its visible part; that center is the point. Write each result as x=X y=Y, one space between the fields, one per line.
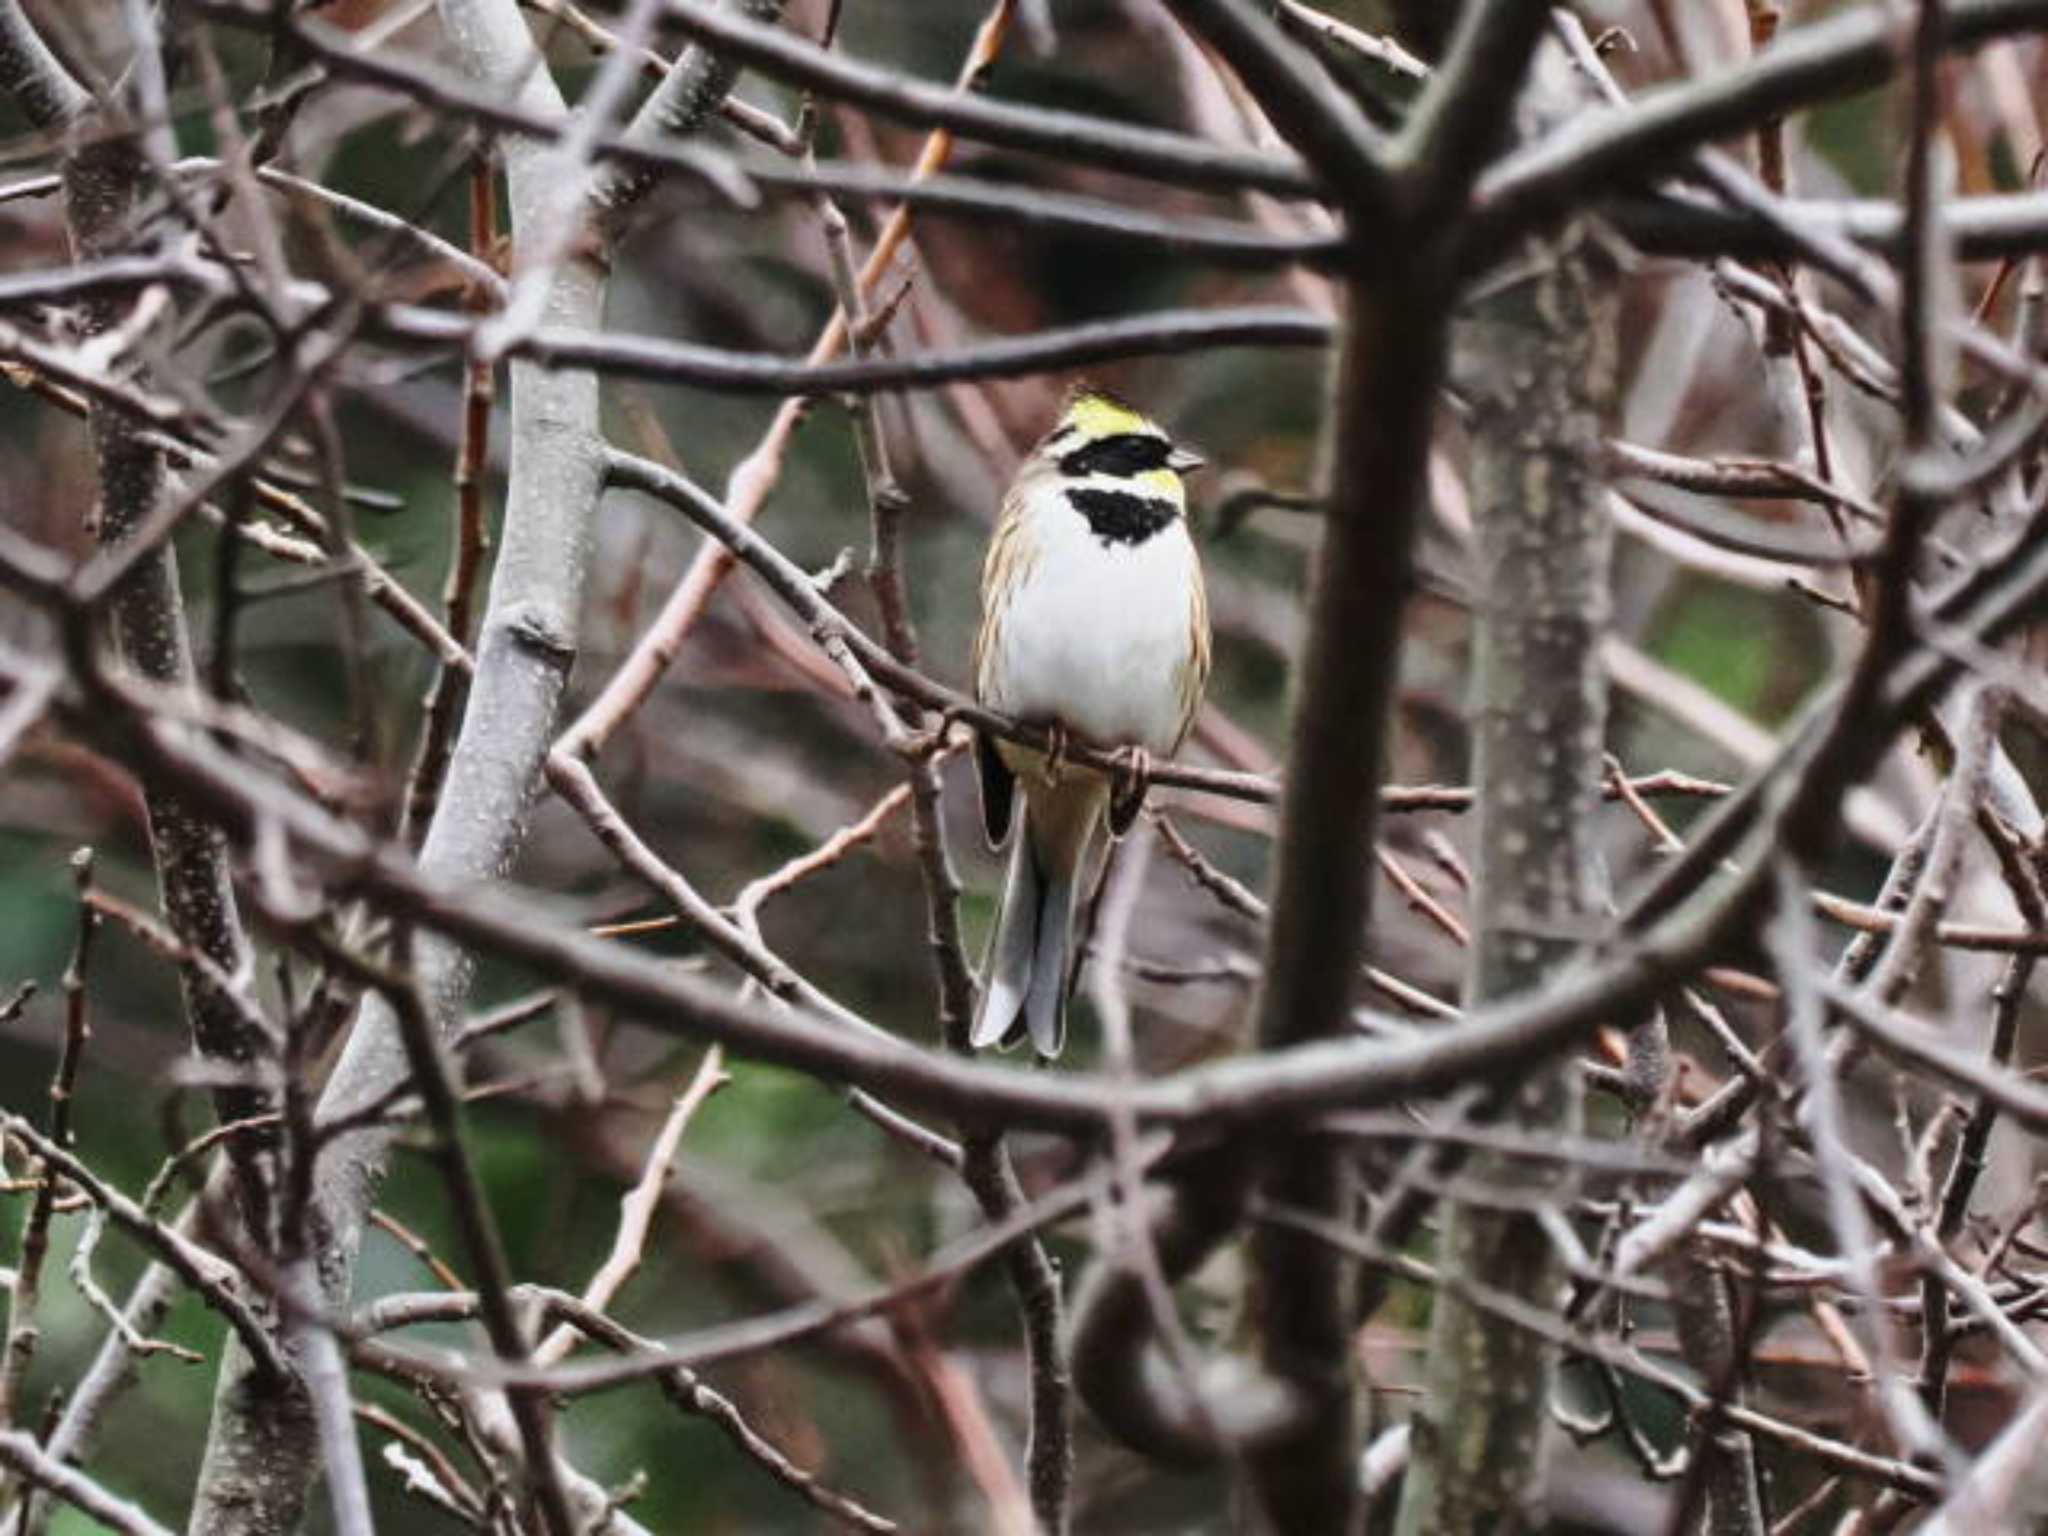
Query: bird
x=1094 y=626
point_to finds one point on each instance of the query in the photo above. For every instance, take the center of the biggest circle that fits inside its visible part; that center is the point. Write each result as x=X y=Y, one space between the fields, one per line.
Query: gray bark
x=259 y=1463
x=1538 y=368
x=1703 y=1314
x=261 y=1453
x=106 y=176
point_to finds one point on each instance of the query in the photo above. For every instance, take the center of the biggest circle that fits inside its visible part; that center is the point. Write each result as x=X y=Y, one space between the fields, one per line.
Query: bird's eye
x=1125 y=453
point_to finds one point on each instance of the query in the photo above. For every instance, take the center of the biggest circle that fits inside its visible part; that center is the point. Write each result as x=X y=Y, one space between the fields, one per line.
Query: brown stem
x=471 y=536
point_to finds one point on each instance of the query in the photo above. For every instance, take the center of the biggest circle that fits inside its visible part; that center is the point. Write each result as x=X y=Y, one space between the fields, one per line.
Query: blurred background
x=749 y=754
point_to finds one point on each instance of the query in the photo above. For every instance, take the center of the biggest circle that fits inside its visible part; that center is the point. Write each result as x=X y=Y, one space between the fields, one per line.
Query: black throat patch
x=1122 y=517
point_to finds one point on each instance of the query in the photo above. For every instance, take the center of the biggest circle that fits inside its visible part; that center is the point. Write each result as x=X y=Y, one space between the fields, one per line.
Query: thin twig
x=18 y=1345
x=638 y=1205
x=20 y=1453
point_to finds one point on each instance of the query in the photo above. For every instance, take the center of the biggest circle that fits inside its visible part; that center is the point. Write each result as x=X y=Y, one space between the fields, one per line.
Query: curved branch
x=1664 y=934
x=1304 y=102
x=1851 y=51
x=1219 y=242
x=32 y=76
x=1226 y=1096
x=1992 y=226
x=1067 y=136
x=1468 y=105
x=754 y=373
x=28 y=1461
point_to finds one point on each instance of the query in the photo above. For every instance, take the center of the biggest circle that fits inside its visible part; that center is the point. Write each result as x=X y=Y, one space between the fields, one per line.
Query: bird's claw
x=1129 y=783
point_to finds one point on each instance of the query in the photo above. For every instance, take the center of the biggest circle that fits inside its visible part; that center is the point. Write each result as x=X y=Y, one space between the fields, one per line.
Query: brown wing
x=1008 y=561
x=1124 y=804
x=1194 y=671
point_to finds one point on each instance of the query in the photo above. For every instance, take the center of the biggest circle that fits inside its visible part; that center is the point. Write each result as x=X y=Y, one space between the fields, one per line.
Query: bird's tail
x=1025 y=976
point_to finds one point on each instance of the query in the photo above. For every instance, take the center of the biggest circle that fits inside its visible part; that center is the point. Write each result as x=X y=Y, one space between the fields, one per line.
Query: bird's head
x=1099 y=435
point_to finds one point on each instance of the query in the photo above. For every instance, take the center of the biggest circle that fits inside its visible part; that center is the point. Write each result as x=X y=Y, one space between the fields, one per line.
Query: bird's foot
x=1129 y=783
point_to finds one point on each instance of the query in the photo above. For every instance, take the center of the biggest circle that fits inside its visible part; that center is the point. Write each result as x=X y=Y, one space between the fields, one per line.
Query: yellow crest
x=1096 y=414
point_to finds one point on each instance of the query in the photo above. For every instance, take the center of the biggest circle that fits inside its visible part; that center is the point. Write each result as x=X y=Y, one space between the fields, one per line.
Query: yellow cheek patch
x=1163 y=481
x=1099 y=416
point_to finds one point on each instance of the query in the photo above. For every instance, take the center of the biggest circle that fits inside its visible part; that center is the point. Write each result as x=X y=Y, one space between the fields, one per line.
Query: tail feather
x=1012 y=953
x=1026 y=973
x=1045 y=1005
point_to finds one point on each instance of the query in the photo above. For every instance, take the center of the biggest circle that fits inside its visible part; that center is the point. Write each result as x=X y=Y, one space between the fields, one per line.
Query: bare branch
x=1063 y=135
x=29 y=1461
x=1847 y=52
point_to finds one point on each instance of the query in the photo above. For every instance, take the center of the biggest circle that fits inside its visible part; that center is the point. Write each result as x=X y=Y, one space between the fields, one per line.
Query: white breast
x=1097 y=635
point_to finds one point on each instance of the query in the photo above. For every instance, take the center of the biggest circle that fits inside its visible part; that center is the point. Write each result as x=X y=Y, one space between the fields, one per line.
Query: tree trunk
x=1538 y=371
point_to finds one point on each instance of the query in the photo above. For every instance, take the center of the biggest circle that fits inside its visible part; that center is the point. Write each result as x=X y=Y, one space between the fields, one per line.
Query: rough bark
x=1537 y=366
x=106 y=176
x=261 y=1454
x=1703 y=1315
x=259 y=1465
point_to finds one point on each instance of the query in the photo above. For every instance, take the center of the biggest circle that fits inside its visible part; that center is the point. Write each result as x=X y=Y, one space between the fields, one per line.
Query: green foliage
x=1750 y=648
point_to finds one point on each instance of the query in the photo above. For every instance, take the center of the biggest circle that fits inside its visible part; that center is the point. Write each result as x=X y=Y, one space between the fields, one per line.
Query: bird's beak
x=1184 y=461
